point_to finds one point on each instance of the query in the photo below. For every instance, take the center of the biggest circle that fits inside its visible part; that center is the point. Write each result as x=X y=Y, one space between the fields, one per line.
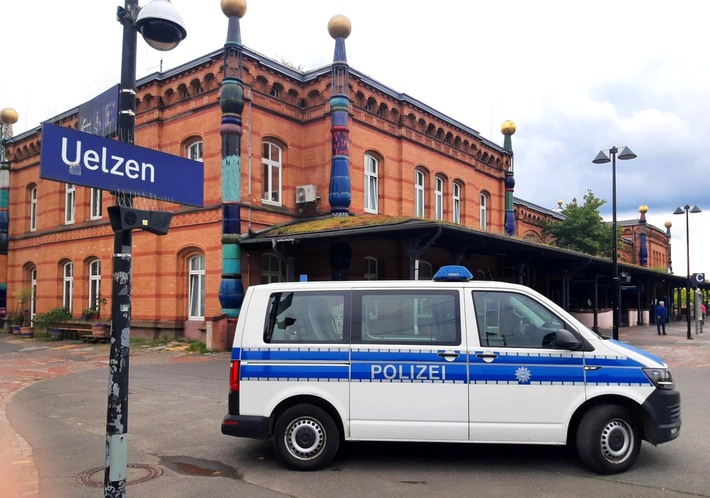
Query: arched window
x=484 y=211
x=196 y=288
x=456 y=202
x=370 y=269
x=425 y=270
x=438 y=198
x=194 y=150
x=371 y=183
x=271 y=161
x=419 y=179
x=68 y=285
x=33 y=208
x=271 y=269
x=69 y=203
x=95 y=284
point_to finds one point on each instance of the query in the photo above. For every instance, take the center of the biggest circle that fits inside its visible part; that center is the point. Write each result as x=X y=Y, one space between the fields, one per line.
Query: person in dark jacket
x=661 y=315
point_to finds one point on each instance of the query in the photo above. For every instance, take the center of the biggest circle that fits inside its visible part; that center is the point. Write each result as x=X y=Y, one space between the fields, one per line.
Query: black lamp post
x=680 y=210
x=163 y=29
x=604 y=157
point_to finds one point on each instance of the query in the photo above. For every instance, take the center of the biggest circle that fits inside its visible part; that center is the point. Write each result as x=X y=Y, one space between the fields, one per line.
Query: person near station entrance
x=661 y=315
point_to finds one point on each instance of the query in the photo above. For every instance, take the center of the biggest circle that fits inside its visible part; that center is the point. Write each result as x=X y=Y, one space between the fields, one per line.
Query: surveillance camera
x=161 y=25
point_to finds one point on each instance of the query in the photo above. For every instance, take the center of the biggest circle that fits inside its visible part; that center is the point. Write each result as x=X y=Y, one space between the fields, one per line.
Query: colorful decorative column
x=643 y=246
x=8 y=117
x=668 y=226
x=231 y=101
x=508 y=128
x=339 y=195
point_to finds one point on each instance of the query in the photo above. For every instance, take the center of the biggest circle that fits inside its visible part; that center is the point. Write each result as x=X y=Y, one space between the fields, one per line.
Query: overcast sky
x=576 y=77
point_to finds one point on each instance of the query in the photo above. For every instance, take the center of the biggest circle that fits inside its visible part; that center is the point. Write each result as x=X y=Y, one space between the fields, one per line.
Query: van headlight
x=660 y=377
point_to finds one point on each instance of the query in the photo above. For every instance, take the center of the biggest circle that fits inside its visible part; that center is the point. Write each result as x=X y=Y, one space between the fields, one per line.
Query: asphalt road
x=175 y=410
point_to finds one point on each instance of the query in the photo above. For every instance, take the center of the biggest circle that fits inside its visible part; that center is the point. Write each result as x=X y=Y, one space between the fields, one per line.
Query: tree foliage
x=583 y=229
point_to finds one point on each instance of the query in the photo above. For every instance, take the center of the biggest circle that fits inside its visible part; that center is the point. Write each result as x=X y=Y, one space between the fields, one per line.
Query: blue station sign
x=72 y=156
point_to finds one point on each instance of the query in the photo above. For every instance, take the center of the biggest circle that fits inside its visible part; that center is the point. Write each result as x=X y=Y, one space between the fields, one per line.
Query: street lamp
x=680 y=210
x=604 y=157
x=163 y=29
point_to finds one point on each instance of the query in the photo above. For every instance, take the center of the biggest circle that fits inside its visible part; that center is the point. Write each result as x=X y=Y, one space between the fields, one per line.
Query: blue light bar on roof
x=453 y=273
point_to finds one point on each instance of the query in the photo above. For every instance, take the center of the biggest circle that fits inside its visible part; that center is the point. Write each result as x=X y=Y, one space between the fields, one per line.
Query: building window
x=271 y=269
x=68 y=286
x=424 y=270
x=371 y=183
x=419 y=194
x=33 y=294
x=95 y=284
x=370 y=268
x=484 y=211
x=438 y=198
x=196 y=288
x=95 y=208
x=271 y=162
x=194 y=151
x=69 y=203
x=33 y=209
x=456 y=203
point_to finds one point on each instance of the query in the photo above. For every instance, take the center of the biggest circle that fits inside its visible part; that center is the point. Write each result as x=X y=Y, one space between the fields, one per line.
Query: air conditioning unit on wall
x=305 y=193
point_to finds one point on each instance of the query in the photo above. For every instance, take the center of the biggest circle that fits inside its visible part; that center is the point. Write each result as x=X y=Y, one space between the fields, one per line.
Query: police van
x=452 y=360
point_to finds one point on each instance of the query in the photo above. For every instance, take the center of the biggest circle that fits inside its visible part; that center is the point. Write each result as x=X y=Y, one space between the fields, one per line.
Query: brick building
x=426 y=191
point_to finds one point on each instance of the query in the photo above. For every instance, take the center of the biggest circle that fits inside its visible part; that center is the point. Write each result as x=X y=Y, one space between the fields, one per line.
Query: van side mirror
x=564 y=339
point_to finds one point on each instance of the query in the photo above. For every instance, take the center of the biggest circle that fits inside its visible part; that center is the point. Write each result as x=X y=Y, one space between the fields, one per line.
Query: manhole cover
x=137 y=473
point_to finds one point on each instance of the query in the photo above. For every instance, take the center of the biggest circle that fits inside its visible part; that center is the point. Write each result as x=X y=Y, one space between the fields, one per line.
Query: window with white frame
x=194 y=151
x=196 y=287
x=69 y=203
x=438 y=198
x=456 y=202
x=371 y=183
x=419 y=194
x=95 y=207
x=68 y=286
x=95 y=284
x=271 y=161
x=370 y=268
x=33 y=294
x=484 y=211
x=33 y=209
x=271 y=269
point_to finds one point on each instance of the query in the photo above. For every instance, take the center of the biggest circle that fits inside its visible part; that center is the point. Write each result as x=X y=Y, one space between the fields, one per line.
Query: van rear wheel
x=608 y=440
x=306 y=438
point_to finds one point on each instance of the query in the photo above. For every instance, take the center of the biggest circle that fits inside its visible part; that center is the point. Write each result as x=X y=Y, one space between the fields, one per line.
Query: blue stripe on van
x=409 y=372
x=411 y=355
x=296 y=354
x=618 y=376
x=528 y=358
x=525 y=374
x=295 y=372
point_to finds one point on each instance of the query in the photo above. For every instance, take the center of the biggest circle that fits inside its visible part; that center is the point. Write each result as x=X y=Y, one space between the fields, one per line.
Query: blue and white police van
x=450 y=360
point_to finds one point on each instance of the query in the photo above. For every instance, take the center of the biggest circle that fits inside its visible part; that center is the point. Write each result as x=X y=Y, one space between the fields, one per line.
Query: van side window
x=514 y=320
x=417 y=317
x=313 y=317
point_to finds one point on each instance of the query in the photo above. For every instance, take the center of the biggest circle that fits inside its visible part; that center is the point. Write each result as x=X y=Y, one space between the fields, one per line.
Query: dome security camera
x=161 y=25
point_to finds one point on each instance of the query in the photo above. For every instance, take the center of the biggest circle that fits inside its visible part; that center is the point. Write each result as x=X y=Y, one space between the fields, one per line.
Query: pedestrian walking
x=661 y=315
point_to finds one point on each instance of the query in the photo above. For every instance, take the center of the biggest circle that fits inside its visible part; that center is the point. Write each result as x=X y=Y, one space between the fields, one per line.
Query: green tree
x=583 y=229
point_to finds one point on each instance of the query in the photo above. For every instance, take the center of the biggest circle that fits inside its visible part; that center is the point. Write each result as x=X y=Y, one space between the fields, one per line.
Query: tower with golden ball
x=508 y=128
x=231 y=102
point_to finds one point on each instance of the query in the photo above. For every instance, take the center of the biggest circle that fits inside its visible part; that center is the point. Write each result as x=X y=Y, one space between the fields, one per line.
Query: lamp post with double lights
x=680 y=210
x=604 y=157
x=163 y=29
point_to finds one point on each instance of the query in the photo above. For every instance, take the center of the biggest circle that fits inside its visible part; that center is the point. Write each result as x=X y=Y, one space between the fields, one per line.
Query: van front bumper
x=246 y=426
x=663 y=409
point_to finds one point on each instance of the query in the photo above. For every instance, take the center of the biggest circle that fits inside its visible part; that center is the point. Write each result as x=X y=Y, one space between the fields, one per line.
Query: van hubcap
x=617 y=439
x=305 y=438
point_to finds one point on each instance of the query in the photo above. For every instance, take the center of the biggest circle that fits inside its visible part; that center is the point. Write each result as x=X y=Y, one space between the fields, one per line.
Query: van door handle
x=486 y=356
x=448 y=355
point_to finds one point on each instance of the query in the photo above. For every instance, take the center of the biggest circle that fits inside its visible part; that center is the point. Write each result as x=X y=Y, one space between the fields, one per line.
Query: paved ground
x=32 y=360
x=27 y=361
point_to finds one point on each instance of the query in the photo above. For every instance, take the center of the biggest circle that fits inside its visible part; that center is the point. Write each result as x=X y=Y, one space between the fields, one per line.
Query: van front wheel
x=306 y=438
x=608 y=440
